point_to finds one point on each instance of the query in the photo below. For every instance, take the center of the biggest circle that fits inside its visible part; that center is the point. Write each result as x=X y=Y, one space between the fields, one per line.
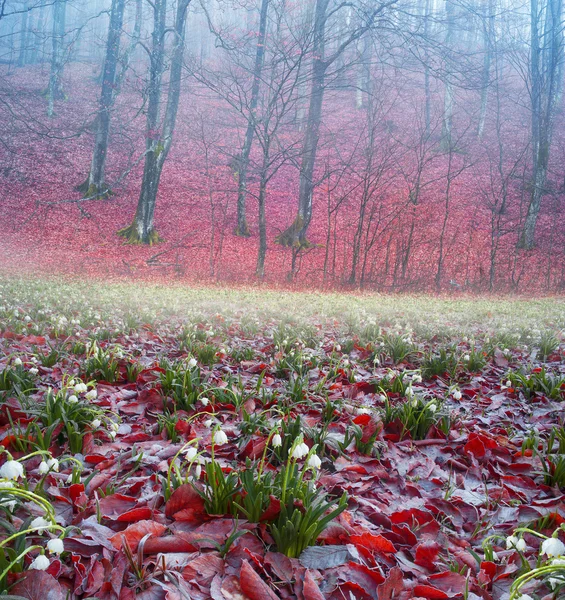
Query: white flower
x=96 y=423
x=41 y=563
x=382 y=398
x=300 y=451
x=521 y=545
x=6 y=485
x=80 y=388
x=553 y=547
x=114 y=426
x=191 y=453
x=92 y=395
x=204 y=401
x=43 y=468
x=11 y=470
x=511 y=542
x=34 y=371
x=72 y=399
x=56 y=546
x=198 y=471
x=17 y=361
x=457 y=395
x=466 y=357
x=40 y=524
x=508 y=383
x=432 y=407
x=314 y=462
x=220 y=438
x=208 y=423
x=276 y=441
x=338 y=348
x=494 y=556
x=192 y=363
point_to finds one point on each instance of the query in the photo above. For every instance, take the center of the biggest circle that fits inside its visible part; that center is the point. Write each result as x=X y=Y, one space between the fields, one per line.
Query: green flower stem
x=16 y=535
x=17 y=559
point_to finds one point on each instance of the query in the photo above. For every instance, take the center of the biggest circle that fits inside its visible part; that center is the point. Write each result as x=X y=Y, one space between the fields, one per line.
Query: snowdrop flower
x=432 y=407
x=457 y=395
x=220 y=438
x=191 y=453
x=208 y=423
x=417 y=379
x=6 y=485
x=276 y=441
x=338 y=348
x=198 y=471
x=112 y=435
x=114 y=426
x=508 y=383
x=34 y=371
x=72 y=399
x=11 y=470
x=494 y=556
x=382 y=398
x=553 y=547
x=314 y=462
x=192 y=363
x=41 y=563
x=521 y=545
x=92 y=395
x=511 y=542
x=300 y=451
x=205 y=401
x=40 y=524
x=96 y=423
x=17 y=362
x=56 y=546
x=466 y=357
x=80 y=388
x=43 y=468
x=27 y=318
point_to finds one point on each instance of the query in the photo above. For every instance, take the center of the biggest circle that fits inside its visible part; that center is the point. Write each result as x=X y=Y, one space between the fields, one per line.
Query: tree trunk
x=24 y=36
x=447 y=126
x=544 y=77
x=242 y=228
x=55 y=90
x=295 y=235
x=488 y=35
x=158 y=144
x=95 y=184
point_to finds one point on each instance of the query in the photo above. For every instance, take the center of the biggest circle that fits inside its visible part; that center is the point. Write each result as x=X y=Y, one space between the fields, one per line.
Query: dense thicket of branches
x=387 y=144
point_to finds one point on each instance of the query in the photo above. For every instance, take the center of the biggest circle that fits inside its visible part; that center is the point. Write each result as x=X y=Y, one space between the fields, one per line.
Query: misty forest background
x=396 y=146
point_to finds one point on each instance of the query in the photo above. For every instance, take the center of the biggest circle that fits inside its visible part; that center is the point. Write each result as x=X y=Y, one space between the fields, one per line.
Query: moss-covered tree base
x=292 y=238
x=242 y=231
x=131 y=236
x=94 y=191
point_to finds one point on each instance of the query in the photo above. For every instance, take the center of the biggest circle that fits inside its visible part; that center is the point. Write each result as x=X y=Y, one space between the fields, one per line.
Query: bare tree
x=158 y=140
x=546 y=58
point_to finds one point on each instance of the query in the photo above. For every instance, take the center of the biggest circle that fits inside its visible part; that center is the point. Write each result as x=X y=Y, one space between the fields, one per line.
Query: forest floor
x=193 y=443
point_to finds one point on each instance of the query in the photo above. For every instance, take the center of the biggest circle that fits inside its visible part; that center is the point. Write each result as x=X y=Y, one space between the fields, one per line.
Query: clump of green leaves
x=182 y=383
x=538 y=381
x=441 y=363
x=101 y=364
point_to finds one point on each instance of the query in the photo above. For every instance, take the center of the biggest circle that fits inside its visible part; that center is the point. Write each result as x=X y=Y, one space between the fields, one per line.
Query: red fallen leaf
x=150 y=396
x=203 y=568
x=254 y=448
x=374 y=542
x=272 y=510
x=94 y=459
x=489 y=568
x=137 y=514
x=499 y=359
x=430 y=592
x=311 y=590
x=75 y=491
x=449 y=582
x=426 y=554
x=392 y=586
x=134 y=534
x=38 y=585
x=362 y=420
x=253 y=586
x=169 y=543
x=185 y=504
x=115 y=505
x=34 y=340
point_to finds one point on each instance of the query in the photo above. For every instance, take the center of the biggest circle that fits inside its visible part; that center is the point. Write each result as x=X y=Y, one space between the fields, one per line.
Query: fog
x=390 y=146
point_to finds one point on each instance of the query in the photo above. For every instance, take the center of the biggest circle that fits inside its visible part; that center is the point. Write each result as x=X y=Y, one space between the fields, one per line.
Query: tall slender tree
x=95 y=183
x=546 y=59
x=159 y=137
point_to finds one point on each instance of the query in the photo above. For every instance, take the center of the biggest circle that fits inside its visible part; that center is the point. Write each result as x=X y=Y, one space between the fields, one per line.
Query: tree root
x=94 y=191
x=131 y=236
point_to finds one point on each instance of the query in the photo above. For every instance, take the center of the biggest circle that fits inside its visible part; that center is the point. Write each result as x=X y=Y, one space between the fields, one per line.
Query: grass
x=424 y=316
